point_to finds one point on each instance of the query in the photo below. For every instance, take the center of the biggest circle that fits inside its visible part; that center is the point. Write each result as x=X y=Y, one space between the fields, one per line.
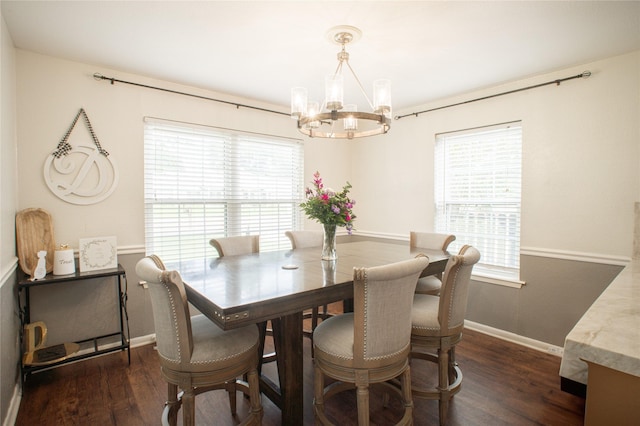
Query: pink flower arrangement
x=329 y=207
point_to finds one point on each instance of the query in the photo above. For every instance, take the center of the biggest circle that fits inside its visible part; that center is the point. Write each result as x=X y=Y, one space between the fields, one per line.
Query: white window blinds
x=478 y=191
x=202 y=182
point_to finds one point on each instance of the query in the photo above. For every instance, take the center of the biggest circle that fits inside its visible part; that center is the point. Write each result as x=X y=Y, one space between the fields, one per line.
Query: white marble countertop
x=608 y=333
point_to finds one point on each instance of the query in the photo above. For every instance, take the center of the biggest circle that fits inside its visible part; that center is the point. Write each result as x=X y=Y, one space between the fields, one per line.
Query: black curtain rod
x=99 y=77
x=584 y=74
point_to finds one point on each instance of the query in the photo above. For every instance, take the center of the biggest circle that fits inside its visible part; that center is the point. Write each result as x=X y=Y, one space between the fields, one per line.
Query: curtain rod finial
x=98 y=76
x=586 y=74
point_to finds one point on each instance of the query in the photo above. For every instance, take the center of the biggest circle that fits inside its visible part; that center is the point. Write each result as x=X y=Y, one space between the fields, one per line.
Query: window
x=203 y=182
x=477 y=193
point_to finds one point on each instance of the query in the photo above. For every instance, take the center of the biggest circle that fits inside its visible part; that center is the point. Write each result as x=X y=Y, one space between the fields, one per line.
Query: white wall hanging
x=97 y=253
x=81 y=174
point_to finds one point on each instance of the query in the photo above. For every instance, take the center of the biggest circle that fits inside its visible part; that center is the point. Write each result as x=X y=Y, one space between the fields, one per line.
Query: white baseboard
x=143 y=340
x=515 y=338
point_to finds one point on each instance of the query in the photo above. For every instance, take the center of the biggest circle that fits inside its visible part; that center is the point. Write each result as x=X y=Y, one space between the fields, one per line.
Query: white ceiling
x=260 y=49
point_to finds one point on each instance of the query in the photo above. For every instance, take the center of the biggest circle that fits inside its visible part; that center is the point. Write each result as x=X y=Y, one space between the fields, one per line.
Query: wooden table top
x=238 y=290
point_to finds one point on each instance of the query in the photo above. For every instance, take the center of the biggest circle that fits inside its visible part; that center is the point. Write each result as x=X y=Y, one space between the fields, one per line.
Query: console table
x=24 y=307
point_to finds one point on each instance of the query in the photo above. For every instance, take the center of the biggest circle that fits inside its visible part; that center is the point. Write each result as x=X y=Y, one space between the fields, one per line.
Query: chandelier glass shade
x=334 y=119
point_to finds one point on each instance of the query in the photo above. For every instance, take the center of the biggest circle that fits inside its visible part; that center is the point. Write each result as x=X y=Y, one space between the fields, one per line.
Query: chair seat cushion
x=424 y=315
x=429 y=285
x=334 y=338
x=212 y=345
x=333 y=345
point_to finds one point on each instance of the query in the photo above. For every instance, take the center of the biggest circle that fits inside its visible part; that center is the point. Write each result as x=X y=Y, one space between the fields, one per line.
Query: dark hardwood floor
x=504 y=384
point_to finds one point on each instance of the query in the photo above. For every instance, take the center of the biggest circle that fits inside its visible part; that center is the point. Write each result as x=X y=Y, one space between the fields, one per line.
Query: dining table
x=277 y=286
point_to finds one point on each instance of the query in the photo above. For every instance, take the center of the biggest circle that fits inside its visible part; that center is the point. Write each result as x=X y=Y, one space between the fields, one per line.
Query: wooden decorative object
x=34 y=232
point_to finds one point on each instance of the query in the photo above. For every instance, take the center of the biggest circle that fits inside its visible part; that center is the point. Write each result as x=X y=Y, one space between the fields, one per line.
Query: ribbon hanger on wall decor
x=64 y=147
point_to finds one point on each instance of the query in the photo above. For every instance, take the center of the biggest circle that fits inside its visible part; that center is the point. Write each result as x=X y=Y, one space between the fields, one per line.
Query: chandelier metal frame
x=377 y=122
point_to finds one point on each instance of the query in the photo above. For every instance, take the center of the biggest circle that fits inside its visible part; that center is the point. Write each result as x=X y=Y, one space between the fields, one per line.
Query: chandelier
x=334 y=119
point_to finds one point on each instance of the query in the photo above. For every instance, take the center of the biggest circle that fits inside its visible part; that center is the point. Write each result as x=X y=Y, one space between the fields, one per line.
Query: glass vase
x=329 y=243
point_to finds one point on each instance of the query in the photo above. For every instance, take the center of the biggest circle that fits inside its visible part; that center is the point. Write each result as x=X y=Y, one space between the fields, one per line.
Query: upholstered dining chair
x=433 y=241
x=233 y=246
x=437 y=324
x=305 y=239
x=371 y=344
x=196 y=355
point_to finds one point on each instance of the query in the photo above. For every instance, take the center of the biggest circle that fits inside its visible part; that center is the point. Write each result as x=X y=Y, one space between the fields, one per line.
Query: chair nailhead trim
x=455 y=279
x=175 y=319
x=361 y=275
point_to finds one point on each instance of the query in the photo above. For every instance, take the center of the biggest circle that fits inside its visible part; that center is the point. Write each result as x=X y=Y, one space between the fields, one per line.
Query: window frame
x=250 y=172
x=501 y=263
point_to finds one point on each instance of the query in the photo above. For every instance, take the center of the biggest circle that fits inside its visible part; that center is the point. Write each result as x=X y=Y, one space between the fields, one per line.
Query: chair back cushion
x=383 y=296
x=430 y=240
x=455 y=290
x=233 y=246
x=170 y=311
x=304 y=239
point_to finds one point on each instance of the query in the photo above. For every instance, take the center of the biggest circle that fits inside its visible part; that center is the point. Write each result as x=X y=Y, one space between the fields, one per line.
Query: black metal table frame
x=24 y=309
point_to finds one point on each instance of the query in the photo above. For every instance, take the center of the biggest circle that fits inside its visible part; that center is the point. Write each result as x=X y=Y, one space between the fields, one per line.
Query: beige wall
x=581 y=150
x=580 y=159
x=47 y=105
x=581 y=179
x=9 y=323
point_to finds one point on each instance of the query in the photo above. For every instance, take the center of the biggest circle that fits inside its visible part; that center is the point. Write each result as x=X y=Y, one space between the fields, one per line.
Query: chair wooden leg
x=385 y=399
x=443 y=411
x=269 y=357
x=452 y=364
x=172 y=405
x=262 y=333
x=323 y=315
x=188 y=407
x=254 y=396
x=443 y=384
x=230 y=387
x=407 y=398
x=315 y=312
x=363 y=405
x=362 y=393
x=314 y=323
x=318 y=394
